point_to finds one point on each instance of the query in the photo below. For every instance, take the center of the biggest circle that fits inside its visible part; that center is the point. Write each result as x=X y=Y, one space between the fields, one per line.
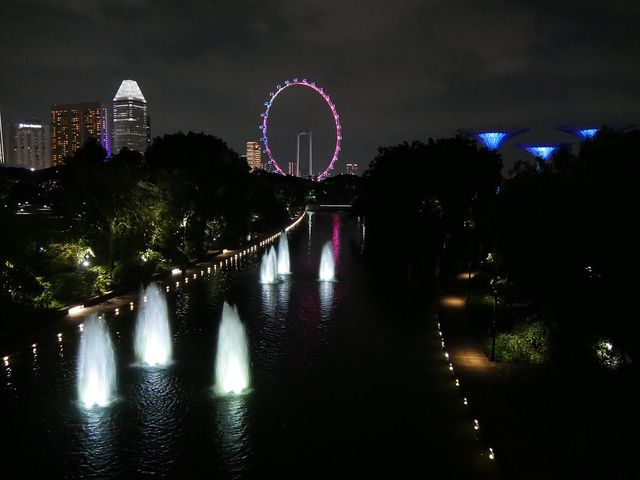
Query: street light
x=495 y=286
x=469 y=224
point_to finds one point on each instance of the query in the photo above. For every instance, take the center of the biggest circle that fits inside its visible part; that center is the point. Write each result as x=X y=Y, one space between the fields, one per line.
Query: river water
x=348 y=378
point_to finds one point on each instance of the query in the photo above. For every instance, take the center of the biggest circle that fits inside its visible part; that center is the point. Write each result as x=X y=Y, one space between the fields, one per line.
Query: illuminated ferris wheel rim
x=265 y=118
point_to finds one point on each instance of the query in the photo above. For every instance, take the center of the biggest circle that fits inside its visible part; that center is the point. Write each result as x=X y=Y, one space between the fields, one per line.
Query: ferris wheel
x=265 y=122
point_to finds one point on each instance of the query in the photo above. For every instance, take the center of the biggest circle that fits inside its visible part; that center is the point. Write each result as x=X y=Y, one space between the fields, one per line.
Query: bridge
x=314 y=207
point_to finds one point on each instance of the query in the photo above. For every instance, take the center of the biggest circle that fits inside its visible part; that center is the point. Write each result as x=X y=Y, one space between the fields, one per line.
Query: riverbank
x=544 y=421
x=55 y=323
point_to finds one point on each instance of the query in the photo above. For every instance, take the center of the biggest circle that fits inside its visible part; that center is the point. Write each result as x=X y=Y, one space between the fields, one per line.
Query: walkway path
x=489 y=389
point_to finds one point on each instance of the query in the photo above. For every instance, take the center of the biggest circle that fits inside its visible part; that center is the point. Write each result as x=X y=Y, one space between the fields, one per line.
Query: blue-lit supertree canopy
x=492 y=140
x=586 y=133
x=541 y=151
x=582 y=133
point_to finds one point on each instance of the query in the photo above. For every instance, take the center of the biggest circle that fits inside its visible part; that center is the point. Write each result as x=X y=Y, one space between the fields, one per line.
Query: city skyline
x=397 y=74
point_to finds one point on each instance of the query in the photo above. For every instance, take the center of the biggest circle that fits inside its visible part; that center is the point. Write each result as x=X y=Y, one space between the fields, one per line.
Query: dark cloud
x=396 y=70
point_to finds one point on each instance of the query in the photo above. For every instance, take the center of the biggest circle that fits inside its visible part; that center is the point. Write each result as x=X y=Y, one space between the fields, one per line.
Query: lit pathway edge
x=227 y=259
x=486 y=451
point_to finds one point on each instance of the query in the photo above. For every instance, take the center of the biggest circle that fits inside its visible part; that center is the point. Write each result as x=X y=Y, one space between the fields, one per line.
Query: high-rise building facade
x=72 y=125
x=352 y=169
x=29 y=145
x=254 y=155
x=131 y=125
x=106 y=127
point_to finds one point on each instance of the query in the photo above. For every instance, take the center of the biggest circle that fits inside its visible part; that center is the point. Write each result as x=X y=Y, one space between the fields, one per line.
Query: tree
x=417 y=187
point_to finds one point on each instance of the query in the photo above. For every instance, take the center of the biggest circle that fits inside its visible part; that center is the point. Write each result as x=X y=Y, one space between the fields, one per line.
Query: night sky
x=397 y=71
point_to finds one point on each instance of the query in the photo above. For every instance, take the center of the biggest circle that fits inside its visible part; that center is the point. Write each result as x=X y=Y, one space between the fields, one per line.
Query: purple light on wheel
x=336 y=119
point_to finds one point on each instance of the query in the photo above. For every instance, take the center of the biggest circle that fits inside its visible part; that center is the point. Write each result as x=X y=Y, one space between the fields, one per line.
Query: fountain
x=284 y=267
x=327 y=266
x=269 y=267
x=232 y=356
x=96 y=364
x=152 y=341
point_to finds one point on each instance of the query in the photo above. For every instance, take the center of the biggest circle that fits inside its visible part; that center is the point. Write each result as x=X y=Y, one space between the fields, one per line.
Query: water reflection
x=157 y=405
x=362 y=226
x=310 y=221
x=269 y=300
x=98 y=440
x=8 y=373
x=234 y=440
x=335 y=236
x=284 y=292
x=326 y=299
x=35 y=365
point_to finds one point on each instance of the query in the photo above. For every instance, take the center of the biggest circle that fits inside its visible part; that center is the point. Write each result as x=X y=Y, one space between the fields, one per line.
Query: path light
x=117 y=311
x=130 y=305
x=59 y=337
x=81 y=327
x=476 y=425
x=144 y=299
x=76 y=310
x=492 y=455
x=446 y=355
x=457 y=382
x=167 y=288
x=6 y=360
x=464 y=400
x=208 y=269
x=177 y=284
x=451 y=366
x=195 y=275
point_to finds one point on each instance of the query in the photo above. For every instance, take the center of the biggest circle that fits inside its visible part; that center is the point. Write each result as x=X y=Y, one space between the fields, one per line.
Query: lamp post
x=469 y=226
x=493 y=324
x=495 y=287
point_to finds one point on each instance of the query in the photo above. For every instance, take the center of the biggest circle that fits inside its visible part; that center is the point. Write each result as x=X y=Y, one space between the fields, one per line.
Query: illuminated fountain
x=152 y=341
x=96 y=365
x=232 y=356
x=327 y=265
x=284 y=267
x=269 y=267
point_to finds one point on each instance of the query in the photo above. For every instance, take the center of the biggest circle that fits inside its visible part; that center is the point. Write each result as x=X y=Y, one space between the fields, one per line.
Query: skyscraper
x=254 y=155
x=105 y=132
x=131 y=126
x=29 y=145
x=72 y=125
